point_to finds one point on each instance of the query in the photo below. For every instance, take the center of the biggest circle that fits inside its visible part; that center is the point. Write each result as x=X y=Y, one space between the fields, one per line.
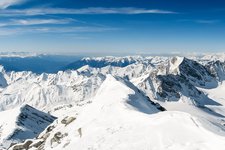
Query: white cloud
x=76 y=29
x=91 y=10
x=55 y=30
x=101 y=10
x=6 y=3
x=207 y=21
x=27 y=22
x=201 y=21
x=41 y=21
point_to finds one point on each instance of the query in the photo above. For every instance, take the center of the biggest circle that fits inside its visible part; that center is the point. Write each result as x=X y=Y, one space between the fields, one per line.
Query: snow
x=113 y=121
x=47 y=91
x=218 y=95
x=175 y=63
x=173 y=130
x=22 y=123
x=213 y=57
x=111 y=108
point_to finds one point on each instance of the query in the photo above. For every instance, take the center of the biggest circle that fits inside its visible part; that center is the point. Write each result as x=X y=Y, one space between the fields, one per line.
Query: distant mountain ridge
x=37 y=63
x=99 y=62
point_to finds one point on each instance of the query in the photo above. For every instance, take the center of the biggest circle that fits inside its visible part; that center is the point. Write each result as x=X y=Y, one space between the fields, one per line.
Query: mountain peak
x=175 y=62
x=118 y=91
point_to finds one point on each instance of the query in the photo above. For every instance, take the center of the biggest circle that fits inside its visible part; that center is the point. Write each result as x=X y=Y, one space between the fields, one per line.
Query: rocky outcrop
x=217 y=69
x=196 y=73
x=29 y=123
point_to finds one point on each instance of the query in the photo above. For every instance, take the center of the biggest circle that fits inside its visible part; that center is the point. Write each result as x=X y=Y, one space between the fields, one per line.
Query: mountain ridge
x=177 y=85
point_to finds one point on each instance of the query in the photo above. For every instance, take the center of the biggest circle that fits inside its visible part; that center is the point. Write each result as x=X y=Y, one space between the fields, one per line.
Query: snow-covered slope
x=166 y=79
x=121 y=118
x=47 y=91
x=160 y=78
x=113 y=111
x=22 y=123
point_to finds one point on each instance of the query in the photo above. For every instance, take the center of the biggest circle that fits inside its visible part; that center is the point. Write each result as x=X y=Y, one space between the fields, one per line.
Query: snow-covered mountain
x=47 y=91
x=117 y=102
x=22 y=123
x=122 y=118
x=103 y=61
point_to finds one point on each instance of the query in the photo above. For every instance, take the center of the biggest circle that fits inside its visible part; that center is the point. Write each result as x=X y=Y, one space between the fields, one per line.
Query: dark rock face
x=190 y=74
x=171 y=87
x=157 y=105
x=31 y=122
x=216 y=69
x=99 y=63
x=195 y=72
x=3 y=82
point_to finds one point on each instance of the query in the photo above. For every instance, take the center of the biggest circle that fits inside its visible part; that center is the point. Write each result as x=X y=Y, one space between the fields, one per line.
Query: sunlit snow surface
x=114 y=121
x=114 y=107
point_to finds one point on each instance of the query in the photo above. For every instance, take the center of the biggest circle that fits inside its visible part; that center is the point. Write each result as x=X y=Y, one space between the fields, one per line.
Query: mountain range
x=131 y=102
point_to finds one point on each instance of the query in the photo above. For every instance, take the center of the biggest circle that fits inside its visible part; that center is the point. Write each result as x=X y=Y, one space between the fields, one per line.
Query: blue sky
x=112 y=26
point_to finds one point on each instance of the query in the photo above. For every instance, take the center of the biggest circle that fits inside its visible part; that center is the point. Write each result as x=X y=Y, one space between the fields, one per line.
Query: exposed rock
x=22 y=146
x=196 y=73
x=217 y=69
x=56 y=138
x=80 y=132
x=37 y=144
x=67 y=120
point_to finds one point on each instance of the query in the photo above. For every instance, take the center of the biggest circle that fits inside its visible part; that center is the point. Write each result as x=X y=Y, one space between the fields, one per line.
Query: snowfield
x=114 y=121
x=147 y=103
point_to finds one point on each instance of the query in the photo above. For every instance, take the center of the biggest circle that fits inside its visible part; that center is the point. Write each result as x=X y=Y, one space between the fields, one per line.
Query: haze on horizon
x=112 y=26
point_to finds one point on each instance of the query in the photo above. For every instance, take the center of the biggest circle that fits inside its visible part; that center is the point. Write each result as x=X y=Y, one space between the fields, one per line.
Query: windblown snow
x=107 y=103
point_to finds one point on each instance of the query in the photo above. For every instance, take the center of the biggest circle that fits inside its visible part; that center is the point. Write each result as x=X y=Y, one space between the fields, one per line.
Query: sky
x=112 y=26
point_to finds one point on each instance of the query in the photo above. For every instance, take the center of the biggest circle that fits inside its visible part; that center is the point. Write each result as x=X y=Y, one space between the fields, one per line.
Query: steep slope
x=161 y=78
x=218 y=95
x=196 y=73
x=165 y=79
x=22 y=123
x=121 y=118
x=217 y=69
x=47 y=91
x=125 y=111
x=113 y=97
x=3 y=81
x=173 y=82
